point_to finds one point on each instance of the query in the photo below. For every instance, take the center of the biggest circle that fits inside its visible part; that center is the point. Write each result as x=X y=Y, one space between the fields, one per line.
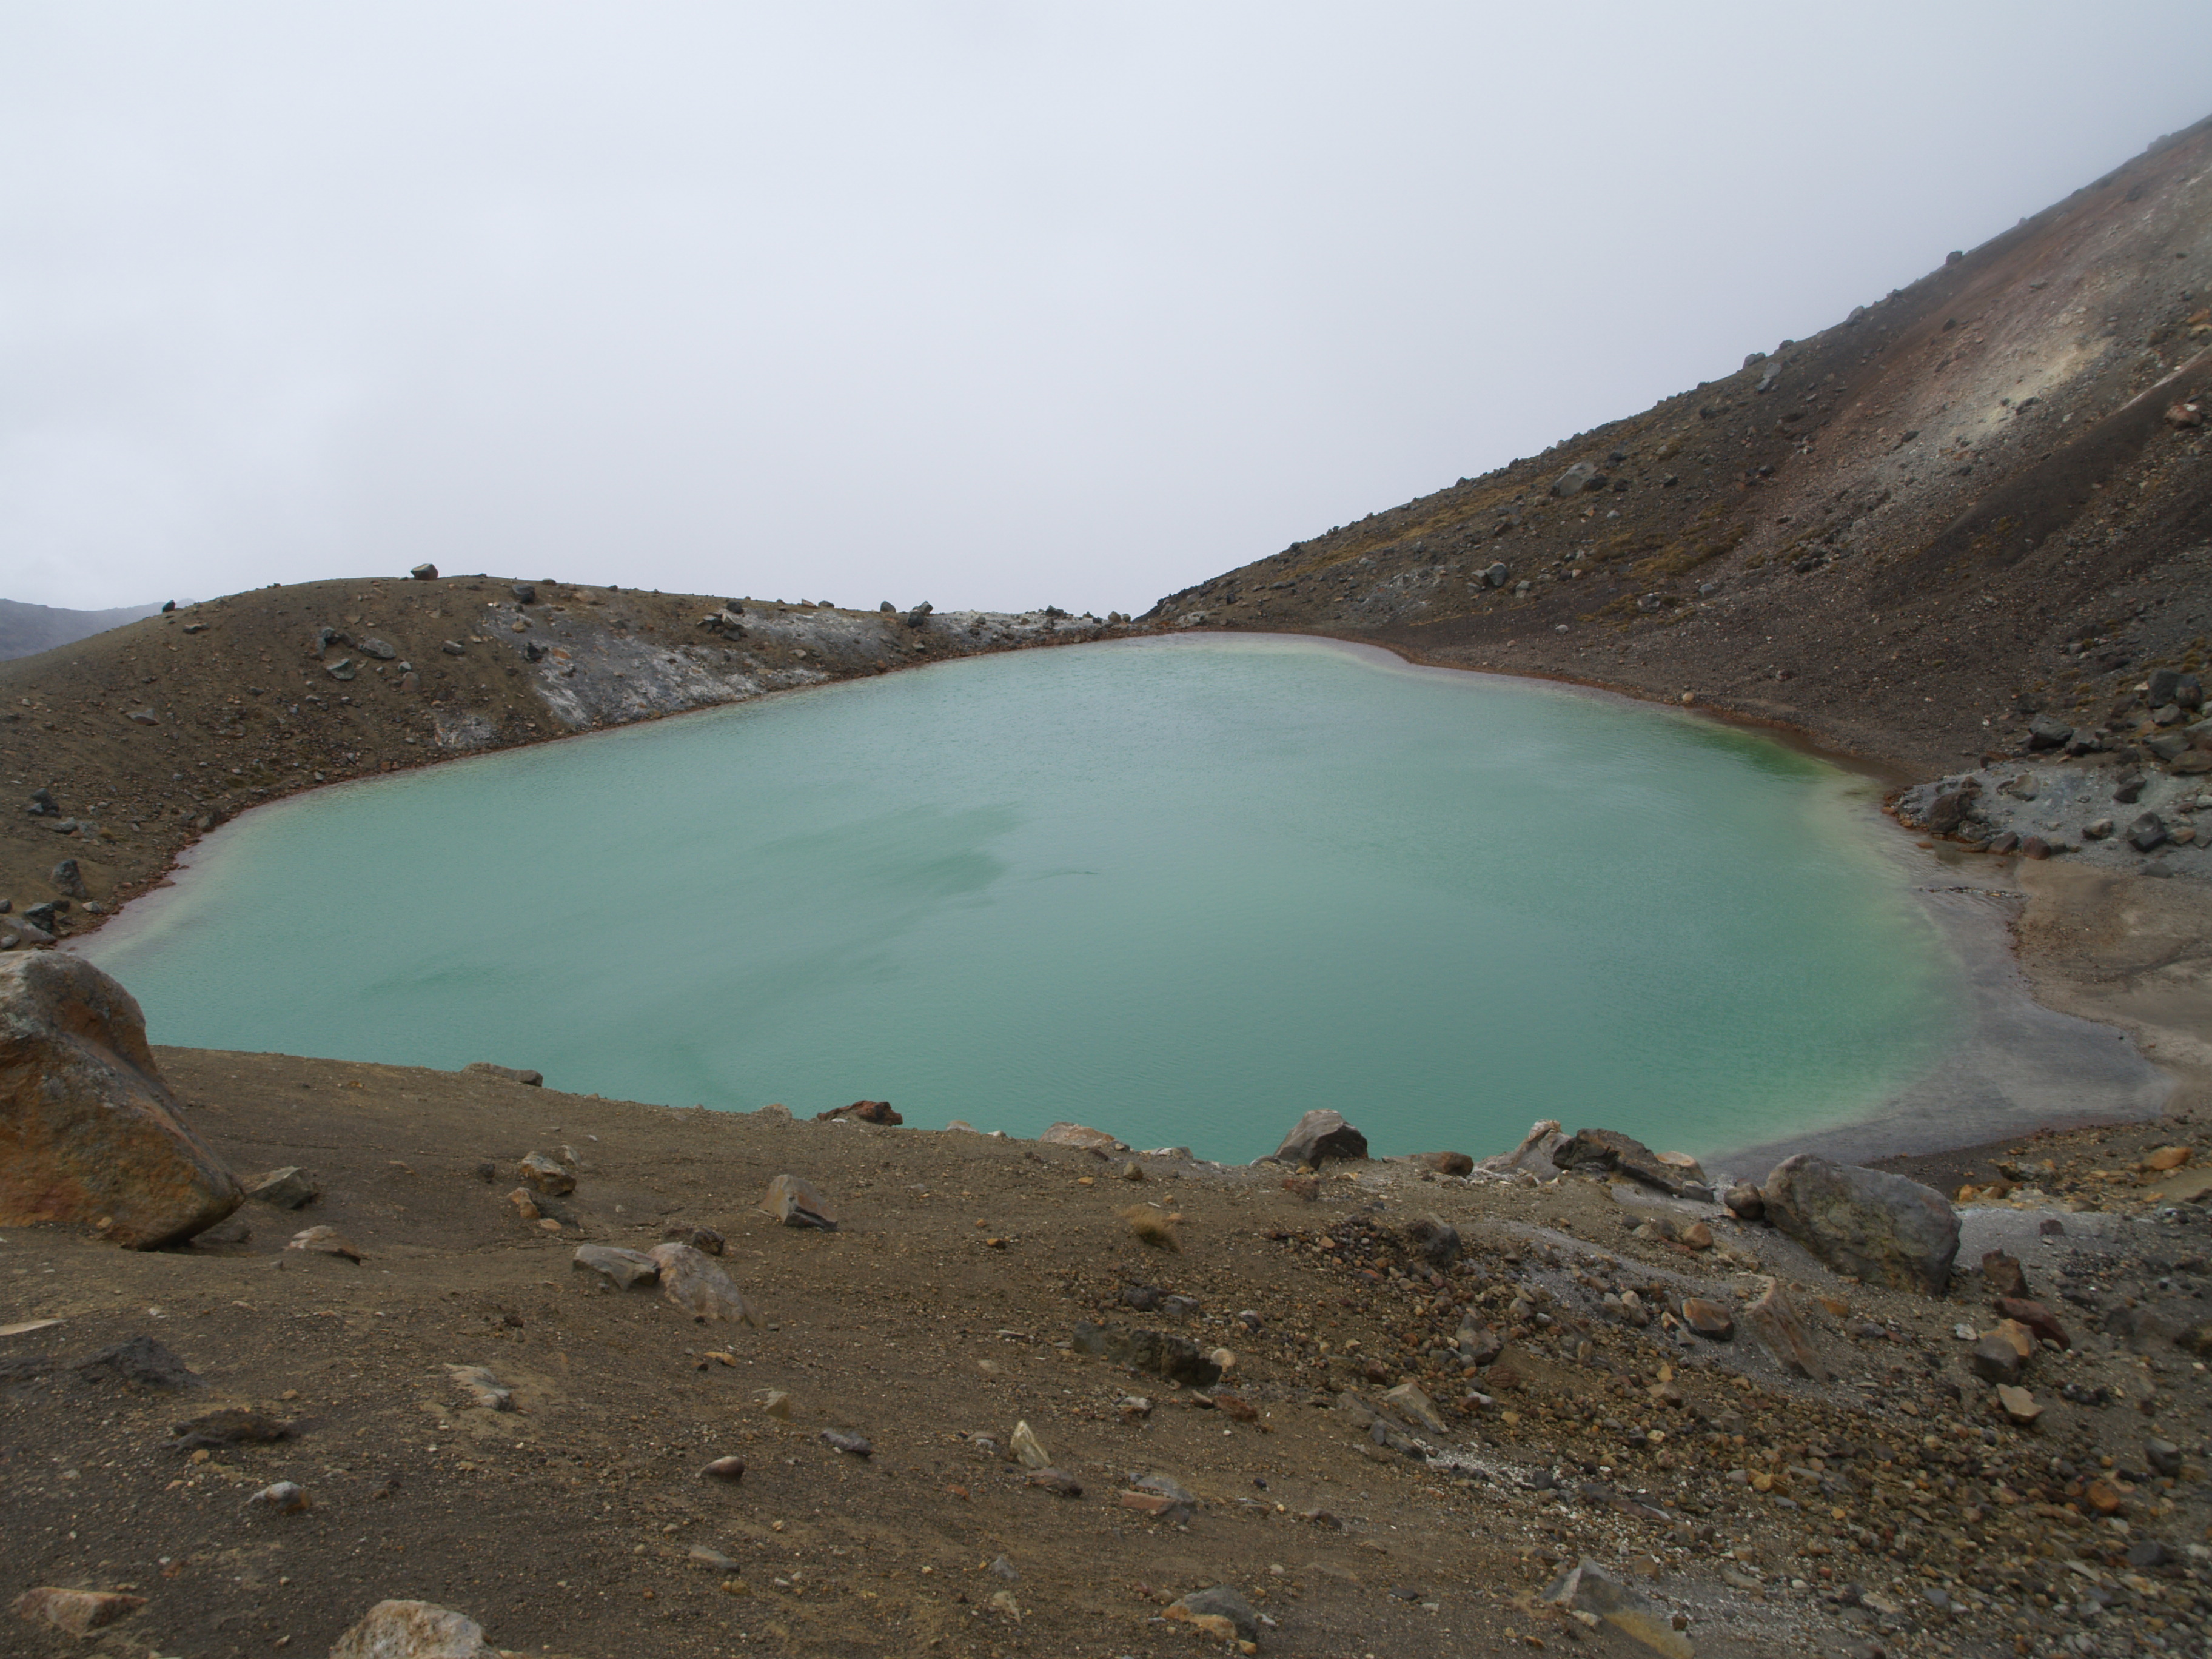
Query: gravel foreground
x=1887 y=1502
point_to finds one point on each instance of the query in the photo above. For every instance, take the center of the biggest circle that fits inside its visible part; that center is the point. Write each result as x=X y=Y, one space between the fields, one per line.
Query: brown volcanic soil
x=942 y=1313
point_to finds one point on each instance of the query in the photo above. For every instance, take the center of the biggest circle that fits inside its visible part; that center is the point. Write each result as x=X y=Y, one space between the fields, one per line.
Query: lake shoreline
x=1982 y=932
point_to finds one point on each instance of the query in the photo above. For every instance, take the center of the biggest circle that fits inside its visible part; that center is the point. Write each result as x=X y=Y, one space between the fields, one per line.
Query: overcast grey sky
x=988 y=304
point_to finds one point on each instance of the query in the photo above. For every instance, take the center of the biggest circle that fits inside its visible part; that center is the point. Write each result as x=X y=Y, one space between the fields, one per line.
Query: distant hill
x=27 y=630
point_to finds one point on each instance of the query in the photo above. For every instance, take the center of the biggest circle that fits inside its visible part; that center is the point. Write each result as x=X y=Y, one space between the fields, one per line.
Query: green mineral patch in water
x=1183 y=890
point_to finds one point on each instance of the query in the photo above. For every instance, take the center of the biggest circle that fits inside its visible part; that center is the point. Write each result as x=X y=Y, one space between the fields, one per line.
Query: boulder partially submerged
x=1882 y=1229
x=89 y=1134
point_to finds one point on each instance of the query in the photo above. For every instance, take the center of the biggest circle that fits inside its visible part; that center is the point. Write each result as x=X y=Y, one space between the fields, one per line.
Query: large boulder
x=1320 y=1134
x=89 y=1134
x=1881 y=1228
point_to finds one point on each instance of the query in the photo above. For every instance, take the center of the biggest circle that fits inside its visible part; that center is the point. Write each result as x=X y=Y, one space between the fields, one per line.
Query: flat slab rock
x=1881 y=1228
x=1609 y=1152
x=621 y=1269
x=95 y=1137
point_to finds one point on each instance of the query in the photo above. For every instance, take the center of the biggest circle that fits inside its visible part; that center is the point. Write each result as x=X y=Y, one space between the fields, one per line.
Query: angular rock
x=2146 y=832
x=1576 y=479
x=621 y=1269
x=287 y=1189
x=1431 y=1239
x=422 y=573
x=2163 y=1457
x=1163 y=1353
x=1029 y=1451
x=513 y=1074
x=484 y=1387
x=2017 y=1404
x=2004 y=1274
x=691 y=1279
x=68 y=879
x=1318 y=1135
x=1158 y=1505
x=1683 y=1165
x=1075 y=1134
x=797 y=1203
x=699 y=1238
x=1589 y=1588
x=1058 y=1482
x=380 y=649
x=1883 y=1227
x=2045 y=733
x=863 y=1111
x=414 y=1630
x=547 y=1176
x=138 y=1362
x=74 y=1612
x=1996 y=1358
x=1745 y=1203
x=93 y=1136
x=233 y=1426
x=2040 y=1322
x=1602 y=1151
x=1783 y=1334
x=1695 y=1237
x=282 y=1497
x=1446 y=1164
x=1223 y=1602
x=325 y=1241
x=1410 y=1402
x=1479 y=1341
x=1534 y=1155
x=1708 y=1318
x=852 y=1445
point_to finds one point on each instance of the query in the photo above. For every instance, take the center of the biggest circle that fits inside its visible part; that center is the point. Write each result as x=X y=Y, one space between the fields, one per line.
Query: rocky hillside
x=1978 y=498
x=27 y=629
x=117 y=751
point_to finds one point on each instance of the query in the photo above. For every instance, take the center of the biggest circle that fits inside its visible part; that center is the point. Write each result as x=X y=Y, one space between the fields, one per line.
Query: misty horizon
x=982 y=306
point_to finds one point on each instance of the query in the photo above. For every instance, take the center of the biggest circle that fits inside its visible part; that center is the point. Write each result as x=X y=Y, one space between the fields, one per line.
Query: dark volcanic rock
x=1883 y=1227
x=1601 y=1151
x=1177 y=1358
x=1320 y=1134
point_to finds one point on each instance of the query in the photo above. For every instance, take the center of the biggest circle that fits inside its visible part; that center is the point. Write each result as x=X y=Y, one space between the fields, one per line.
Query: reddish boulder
x=89 y=1134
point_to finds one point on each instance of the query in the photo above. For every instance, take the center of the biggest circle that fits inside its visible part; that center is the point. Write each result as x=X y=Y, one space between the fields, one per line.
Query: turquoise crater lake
x=1180 y=890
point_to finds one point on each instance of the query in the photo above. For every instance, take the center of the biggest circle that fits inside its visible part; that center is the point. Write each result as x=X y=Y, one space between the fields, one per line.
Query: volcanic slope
x=1979 y=497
